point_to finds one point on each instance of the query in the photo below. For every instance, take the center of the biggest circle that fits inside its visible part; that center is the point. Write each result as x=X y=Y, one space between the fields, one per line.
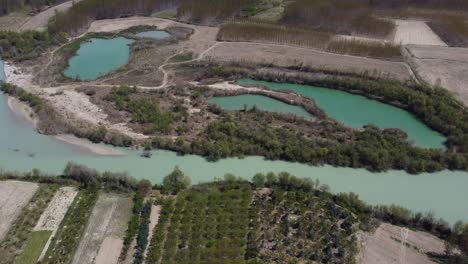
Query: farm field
x=286 y=56
x=14 y=195
x=447 y=67
x=22 y=229
x=33 y=249
x=105 y=229
x=413 y=32
x=56 y=210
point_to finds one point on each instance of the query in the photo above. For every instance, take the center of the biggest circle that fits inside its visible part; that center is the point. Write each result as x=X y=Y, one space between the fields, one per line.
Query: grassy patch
x=65 y=242
x=32 y=251
x=20 y=232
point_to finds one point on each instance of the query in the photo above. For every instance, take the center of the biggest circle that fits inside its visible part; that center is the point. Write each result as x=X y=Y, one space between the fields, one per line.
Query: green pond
x=98 y=57
x=357 y=111
x=443 y=193
x=261 y=102
x=155 y=34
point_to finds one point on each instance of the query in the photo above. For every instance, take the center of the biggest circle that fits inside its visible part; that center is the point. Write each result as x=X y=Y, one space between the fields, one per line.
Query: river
x=443 y=193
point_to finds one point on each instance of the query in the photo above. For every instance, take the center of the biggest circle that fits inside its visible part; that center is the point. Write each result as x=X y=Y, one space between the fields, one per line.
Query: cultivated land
x=14 y=195
x=416 y=33
x=285 y=56
x=103 y=235
x=56 y=210
x=391 y=244
x=443 y=66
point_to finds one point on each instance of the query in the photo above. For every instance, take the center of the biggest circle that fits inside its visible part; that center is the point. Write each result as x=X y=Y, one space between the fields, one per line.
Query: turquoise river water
x=443 y=193
x=357 y=111
x=261 y=102
x=98 y=57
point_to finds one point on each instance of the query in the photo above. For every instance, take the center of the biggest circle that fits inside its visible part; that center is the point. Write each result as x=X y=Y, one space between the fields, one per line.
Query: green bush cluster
x=144 y=111
x=133 y=224
x=208 y=224
x=20 y=46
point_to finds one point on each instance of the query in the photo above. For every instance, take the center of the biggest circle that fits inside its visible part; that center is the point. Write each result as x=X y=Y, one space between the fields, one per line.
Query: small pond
x=261 y=102
x=98 y=57
x=357 y=111
x=154 y=34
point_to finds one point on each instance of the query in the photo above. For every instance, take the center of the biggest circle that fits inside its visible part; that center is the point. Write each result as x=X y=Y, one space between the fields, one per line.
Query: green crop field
x=33 y=249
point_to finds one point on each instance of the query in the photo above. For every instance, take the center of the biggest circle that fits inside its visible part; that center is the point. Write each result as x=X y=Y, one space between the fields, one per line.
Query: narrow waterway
x=357 y=111
x=443 y=193
x=264 y=103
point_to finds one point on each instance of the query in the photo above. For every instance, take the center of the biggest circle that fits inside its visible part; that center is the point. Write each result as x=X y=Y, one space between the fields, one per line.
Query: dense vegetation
x=256 y=31
x=7 y=6
x=209 y=11
x=133 y=223
x=299 y=226
x=145 y=111
x=65 y=242
x=338 y=16
x=20 y=46
x=208 y=224
x=20 y=232
x=143 y=232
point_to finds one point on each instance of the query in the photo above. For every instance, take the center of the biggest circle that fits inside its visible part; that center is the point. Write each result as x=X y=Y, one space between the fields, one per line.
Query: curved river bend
x=443 y=193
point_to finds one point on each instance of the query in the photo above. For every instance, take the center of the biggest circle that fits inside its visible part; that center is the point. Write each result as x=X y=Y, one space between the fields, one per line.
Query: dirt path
x=397 y=245
x=103 y=235
x=39 y=21
x=415 y=32
x=14 y=195
x=154 y=220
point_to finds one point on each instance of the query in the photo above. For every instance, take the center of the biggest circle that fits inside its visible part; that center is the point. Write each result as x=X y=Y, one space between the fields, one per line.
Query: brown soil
x=391 y=244
x=14 y=195
x=286 y=56
x=443 y=66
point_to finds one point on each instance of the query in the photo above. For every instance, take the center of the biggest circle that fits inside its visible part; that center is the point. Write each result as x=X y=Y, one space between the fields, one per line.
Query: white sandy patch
x=89 y=146
x=109 y=25
x=77 y=105
x=56 y=210
x=14 y=195
x=231 y=86
x=22 y=111
x=109 y=251
x=395 y=245
x=16 y=76
x=416 y=32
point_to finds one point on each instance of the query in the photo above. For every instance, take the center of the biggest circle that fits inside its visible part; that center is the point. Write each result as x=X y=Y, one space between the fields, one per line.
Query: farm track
x=14 y=195
x=107 y=221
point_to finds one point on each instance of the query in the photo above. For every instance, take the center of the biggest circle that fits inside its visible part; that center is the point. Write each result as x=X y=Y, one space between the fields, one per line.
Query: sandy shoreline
x=88 y=146
x=25 y=114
